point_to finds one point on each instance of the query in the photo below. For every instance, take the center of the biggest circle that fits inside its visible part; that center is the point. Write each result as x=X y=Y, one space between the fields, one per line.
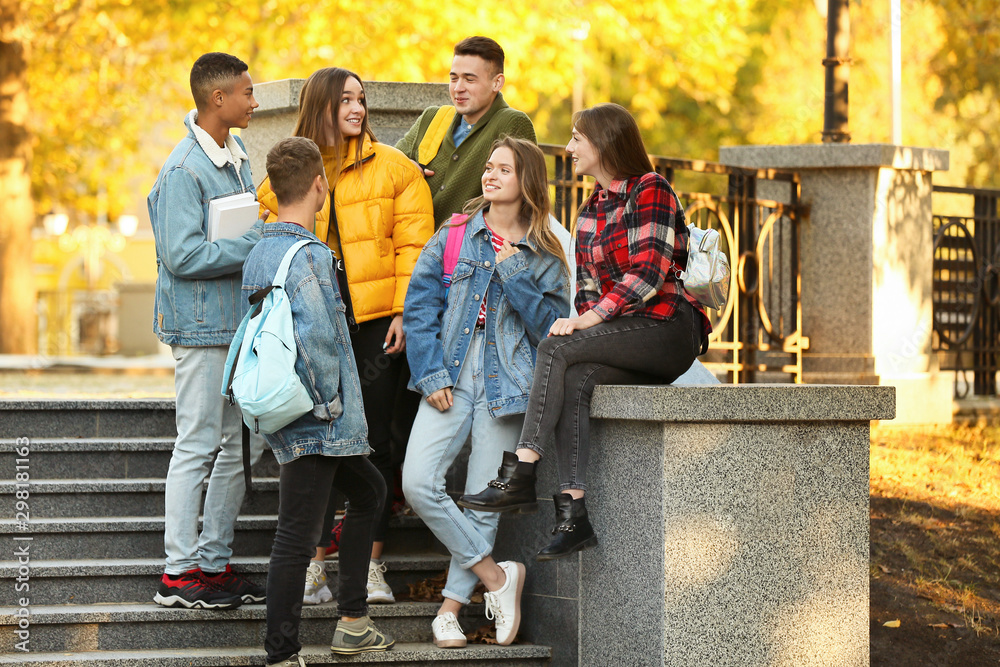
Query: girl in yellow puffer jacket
x=382 y=216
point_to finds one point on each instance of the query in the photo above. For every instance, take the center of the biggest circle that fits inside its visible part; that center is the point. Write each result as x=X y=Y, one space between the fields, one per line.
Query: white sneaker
x=447 y=632
x=316 y=591
x=378 y=590
x=504 y=605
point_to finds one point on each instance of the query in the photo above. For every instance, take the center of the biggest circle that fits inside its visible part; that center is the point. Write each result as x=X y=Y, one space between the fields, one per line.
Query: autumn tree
x=17 y=293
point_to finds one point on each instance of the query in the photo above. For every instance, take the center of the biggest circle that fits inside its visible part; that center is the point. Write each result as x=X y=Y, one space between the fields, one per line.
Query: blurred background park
x=94 y=91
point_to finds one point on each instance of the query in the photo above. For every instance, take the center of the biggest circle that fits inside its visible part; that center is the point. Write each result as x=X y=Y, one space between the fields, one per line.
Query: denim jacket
x=525 y=294
x=197 y=282
x=325 y=364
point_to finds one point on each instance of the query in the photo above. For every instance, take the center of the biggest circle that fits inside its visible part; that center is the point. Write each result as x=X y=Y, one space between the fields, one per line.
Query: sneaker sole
x=586 y=544
x=319 y=598
x=254 y=599
x=362 y=649
x=523 y=508
x=178 y=601
x=451 y=643
x=381 y=598
x=517 y=608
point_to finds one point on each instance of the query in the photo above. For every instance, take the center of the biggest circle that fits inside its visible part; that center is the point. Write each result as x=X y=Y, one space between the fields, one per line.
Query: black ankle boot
x=513 y=489
x=573 y=531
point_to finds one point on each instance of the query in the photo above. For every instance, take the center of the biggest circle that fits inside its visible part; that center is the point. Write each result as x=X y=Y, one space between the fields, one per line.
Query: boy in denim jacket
x=328 y=447
x=196 y=314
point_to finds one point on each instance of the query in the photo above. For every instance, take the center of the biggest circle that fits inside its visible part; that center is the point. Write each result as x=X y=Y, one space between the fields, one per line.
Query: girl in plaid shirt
x=636 y=324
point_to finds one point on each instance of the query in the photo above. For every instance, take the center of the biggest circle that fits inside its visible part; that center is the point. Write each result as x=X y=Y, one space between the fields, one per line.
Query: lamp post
x=838 y=69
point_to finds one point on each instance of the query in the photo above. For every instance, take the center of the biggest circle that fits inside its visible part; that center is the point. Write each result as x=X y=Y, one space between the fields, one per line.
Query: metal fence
x=757 y=336
x=966 y=287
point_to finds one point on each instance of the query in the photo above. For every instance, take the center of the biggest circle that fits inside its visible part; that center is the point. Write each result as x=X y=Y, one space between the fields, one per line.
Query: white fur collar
x=219 y=155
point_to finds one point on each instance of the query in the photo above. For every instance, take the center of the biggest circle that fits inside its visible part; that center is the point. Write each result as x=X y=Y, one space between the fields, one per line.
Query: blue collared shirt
x=461 y=132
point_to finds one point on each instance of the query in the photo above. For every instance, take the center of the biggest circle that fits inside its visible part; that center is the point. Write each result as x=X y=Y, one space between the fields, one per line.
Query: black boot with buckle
x=512 y=490
x=573 y=531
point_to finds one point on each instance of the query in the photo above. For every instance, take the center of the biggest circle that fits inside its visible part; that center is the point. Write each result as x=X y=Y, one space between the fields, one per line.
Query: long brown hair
x=615 y=134
x=529 y=167
x=320 y=95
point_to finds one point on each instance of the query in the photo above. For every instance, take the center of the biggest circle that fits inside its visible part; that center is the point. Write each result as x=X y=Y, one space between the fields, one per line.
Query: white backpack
x=260 y=369
x=707 y=276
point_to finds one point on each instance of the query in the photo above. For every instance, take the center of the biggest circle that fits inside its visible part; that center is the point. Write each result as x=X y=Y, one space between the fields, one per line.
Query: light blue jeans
x=206 y=425
x=435 y=440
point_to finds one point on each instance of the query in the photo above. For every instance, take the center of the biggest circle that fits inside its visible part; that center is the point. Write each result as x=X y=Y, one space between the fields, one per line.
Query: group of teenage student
x=467 y=303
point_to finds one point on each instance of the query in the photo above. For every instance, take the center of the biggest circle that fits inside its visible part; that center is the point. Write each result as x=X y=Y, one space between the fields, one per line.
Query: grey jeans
x=626 y=350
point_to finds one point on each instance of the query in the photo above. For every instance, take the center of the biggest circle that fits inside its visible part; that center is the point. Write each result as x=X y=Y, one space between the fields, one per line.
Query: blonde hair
x=322 y=92
x=529 y=167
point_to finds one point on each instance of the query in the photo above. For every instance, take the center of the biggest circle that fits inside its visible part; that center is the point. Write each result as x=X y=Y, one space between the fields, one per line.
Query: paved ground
x=86 y=377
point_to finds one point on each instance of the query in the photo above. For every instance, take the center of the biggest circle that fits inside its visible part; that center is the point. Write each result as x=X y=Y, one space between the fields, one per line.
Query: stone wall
x=733 y=528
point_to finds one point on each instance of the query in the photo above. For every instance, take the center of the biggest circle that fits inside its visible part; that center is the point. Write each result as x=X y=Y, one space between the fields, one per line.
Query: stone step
x=88 y=582
x=91 y=418
x=65 y=498
x=100 y=458
x=403 y=654
x=142 y=537
x=120 y=627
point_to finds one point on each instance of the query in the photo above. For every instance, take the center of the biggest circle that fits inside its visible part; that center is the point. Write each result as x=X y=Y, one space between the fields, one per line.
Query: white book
x=230 y=217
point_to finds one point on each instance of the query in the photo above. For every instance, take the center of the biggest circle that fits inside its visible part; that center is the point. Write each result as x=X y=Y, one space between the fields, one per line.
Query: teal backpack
x=260 y=369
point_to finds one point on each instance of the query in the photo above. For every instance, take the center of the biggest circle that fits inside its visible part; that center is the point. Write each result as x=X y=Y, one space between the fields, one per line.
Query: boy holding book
x=197 y=314
x=326 y=448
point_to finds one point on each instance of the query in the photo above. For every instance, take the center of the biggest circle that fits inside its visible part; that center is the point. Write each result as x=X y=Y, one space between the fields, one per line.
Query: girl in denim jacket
x=471 y=349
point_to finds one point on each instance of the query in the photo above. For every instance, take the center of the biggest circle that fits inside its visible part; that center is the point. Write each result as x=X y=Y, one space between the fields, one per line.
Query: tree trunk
x=18 y=322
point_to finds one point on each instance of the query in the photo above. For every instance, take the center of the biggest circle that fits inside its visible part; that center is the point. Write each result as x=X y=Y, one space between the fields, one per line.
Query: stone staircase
x=92 y=553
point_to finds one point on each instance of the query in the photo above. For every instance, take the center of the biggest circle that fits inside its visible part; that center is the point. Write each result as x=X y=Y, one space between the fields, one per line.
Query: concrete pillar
x=392 y=108
x=866 y=260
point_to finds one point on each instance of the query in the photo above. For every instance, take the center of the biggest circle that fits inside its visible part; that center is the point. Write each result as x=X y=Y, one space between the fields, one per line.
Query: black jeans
x=626 y=350
x=389 y=410
x=304 y=488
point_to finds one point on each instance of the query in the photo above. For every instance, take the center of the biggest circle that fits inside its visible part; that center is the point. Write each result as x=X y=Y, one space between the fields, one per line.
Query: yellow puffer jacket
x=384 y=216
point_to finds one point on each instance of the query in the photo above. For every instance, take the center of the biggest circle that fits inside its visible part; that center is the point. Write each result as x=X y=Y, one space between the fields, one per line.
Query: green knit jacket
x=458 y=171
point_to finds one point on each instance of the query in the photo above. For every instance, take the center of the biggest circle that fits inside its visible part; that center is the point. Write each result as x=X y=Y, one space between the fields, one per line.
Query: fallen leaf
x=891 y=624
x=884 y=569
x=942 y=625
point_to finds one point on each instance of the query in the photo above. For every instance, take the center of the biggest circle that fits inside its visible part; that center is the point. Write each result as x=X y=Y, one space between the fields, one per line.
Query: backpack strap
x=435 y=134
x=286 y=261
x=453 y=246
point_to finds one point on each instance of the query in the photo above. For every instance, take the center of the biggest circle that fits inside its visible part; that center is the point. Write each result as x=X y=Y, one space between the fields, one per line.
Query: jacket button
x=487 y=265
x=455 y=157
x=476 y=297
x=466 y=330
x=456 y=362
x=441 y=188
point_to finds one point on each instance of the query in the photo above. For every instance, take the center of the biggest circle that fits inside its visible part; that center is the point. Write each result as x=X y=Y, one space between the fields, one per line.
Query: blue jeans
x=435 y=440
x=206 y=425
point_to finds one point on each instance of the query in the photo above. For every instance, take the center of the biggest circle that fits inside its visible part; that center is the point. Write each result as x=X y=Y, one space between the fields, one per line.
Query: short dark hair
x=485 y=48
x=214 y=71
x=292 y=165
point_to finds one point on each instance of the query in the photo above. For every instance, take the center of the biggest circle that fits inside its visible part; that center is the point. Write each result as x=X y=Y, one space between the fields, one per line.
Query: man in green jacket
x=452 y=144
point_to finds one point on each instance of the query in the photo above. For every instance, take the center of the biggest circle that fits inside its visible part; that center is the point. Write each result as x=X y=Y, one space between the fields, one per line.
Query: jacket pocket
x=200 y=297
x=373 y=214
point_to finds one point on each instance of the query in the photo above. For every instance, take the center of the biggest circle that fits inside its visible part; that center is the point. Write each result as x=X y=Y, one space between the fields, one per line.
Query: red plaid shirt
x=627 y=264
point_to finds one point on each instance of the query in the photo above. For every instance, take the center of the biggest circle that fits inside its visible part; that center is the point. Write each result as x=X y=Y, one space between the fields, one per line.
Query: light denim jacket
x=197 y=282
x=525 y=294
x=325 y=364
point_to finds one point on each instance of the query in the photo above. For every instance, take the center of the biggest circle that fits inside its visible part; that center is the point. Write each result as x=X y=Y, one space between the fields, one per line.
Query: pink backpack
x=452 y=248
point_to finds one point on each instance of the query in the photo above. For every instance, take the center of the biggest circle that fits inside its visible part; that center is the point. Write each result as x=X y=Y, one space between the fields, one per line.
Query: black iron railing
x=966 y=287
x=757 y=335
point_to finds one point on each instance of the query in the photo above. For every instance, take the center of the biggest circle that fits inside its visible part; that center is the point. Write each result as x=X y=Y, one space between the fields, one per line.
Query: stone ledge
x=282 y=96
x=744 y=403
x=825 y=156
